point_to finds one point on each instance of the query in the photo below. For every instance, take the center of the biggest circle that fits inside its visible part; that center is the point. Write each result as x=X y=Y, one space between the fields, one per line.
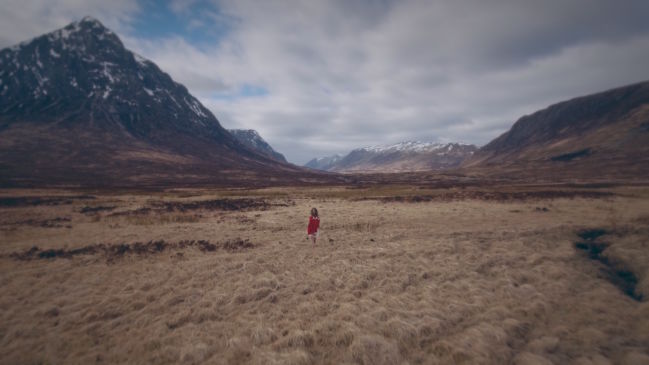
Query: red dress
x=314 y=223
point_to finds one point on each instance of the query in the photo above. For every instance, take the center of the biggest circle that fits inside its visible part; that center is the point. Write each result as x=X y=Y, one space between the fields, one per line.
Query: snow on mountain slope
x=78 y=108
x=403 y=156
x=323 y=163
x=252 y=139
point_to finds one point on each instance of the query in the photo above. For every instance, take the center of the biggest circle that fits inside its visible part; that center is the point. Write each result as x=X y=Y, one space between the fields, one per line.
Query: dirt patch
x=29 y=201
x=591 y=234
x=492 y=196
x=208 y=205
x=112 y=251
x=216 y=204
x=644 y=127
x=616 y=272
x=572 y=155
x=136 y=212
x=237 y=245
x=100 y=208
x=58 y=222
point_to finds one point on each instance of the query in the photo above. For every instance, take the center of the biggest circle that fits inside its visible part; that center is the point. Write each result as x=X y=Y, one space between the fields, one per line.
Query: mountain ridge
x=603 y=135
x=398 y=157
x=252 y=139
x=78 y=108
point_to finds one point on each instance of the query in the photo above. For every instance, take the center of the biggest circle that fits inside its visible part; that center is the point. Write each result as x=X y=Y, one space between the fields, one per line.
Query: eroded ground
x=400 y=275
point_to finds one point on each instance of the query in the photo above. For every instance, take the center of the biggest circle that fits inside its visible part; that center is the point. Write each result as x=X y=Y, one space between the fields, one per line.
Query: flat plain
x=400 y=275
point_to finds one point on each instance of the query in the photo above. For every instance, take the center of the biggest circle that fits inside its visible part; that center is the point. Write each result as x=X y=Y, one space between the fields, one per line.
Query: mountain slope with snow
x=252 y=139
x=403 y=156
x=78 y=108
x=323 y=163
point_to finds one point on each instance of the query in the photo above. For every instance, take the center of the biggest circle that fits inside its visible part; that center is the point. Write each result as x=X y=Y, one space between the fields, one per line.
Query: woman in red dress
x=314 y=223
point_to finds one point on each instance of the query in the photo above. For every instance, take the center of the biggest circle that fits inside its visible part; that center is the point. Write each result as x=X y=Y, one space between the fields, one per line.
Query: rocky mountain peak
x=77 y=107
x=252 y=139
x=83 y=34
x=82 y=73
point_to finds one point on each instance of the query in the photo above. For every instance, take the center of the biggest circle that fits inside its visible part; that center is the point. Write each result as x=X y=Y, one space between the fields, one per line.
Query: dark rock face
x=77 y=108
x=252 y=139
x=82 y=74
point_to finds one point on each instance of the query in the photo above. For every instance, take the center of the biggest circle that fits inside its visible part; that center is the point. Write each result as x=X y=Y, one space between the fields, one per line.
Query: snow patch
x=141 y=60
x=148 y=91
x=106 y=71
x=173 y=99
x=54 y=54
x=107 y=92
x=64 y=33
x=333 y=158
x=411 y=146
x=195 y=107
x=415 y=146
x=40 y=79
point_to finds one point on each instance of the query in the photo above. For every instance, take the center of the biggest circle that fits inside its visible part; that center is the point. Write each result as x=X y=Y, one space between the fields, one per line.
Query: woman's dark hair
x=314 y=212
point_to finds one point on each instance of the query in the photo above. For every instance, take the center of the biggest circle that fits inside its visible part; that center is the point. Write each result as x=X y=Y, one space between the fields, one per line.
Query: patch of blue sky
x=198 y=22
x=244 y=91
x=248 y=90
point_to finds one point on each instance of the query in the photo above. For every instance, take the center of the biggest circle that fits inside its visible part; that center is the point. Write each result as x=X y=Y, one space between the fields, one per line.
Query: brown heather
x=400 y=275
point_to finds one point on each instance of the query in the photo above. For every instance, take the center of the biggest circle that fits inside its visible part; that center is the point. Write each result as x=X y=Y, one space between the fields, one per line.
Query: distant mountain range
x=78 y=108
x=404 y=156
x=323 y=163
x=252 y=139
x=599 y=136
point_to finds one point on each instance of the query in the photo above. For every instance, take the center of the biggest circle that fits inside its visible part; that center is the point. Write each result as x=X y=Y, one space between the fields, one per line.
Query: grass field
x=400 y=275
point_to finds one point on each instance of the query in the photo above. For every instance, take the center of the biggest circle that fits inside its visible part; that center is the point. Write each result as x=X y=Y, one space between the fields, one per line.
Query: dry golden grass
x=445 y=281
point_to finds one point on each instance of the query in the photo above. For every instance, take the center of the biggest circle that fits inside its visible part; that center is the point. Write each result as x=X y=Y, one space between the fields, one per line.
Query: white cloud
x=343 y=74
x=340 y=75
x=24 y=19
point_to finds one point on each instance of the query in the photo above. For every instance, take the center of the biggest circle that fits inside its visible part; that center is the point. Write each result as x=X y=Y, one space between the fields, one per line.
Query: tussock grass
x=439 y=282
x=150 y=220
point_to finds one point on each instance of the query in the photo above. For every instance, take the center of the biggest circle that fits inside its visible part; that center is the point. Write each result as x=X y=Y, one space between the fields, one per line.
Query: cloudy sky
x=322 y=77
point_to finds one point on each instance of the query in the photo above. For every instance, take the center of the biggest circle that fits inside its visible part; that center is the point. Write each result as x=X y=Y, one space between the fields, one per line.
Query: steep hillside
x=604 y=135
x=252 y=139
x=78 y=108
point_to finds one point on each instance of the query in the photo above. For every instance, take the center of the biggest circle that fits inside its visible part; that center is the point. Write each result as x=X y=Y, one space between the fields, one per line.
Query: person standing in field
x=314 y=224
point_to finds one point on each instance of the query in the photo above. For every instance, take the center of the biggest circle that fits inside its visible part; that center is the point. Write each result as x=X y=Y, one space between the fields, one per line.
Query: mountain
x=604 y=135
x=78 y=108
x=404 y=156
x=323 y=163
x=252 y=139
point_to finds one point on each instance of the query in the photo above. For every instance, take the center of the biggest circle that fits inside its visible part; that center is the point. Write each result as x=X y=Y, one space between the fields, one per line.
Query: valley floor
x=400 y=275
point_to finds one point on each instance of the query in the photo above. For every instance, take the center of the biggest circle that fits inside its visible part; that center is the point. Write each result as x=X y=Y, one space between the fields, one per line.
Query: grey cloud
x=22 y=20
x=344 y=74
